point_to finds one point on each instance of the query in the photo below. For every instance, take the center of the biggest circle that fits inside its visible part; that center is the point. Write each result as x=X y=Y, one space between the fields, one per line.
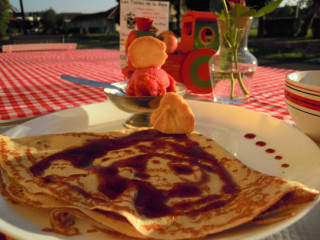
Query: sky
x=83 y=6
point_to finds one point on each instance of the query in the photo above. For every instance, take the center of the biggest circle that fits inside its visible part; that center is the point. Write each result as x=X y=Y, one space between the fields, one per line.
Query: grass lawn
x=287 y=55
x=4 y=41
x=109 y=41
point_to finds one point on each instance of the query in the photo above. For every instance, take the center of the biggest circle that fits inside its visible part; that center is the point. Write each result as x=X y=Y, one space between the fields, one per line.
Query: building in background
x=102 y=22
x=63 y=23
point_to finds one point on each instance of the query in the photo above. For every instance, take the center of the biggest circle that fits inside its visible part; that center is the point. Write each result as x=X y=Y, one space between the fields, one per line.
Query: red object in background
x=143 y=23
x=243 y=2
x=195 y=70
x=10 y=238
x=131 y=36
x=192 y=29
x=173 y=65
x=170 y=39
x=143 y=29
x=199 y=41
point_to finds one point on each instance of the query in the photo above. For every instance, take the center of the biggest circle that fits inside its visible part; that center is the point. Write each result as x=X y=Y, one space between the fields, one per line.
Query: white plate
x=226 y=124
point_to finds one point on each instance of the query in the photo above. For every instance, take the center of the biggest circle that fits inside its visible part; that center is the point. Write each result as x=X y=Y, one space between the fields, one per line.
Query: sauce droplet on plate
x=261 y=143
x=250 y=136
x=270 y=150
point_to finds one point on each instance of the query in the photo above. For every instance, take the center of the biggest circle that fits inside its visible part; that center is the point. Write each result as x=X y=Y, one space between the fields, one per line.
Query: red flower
x=242 y=2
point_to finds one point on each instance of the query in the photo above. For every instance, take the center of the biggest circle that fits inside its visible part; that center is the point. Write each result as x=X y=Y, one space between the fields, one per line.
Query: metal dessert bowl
x=140 y=107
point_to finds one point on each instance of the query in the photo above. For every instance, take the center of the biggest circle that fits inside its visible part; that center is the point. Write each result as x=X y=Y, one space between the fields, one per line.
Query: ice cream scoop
x=150 y=81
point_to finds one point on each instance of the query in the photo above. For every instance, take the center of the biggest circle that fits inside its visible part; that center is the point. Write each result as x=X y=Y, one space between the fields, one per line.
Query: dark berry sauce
x=149 y=200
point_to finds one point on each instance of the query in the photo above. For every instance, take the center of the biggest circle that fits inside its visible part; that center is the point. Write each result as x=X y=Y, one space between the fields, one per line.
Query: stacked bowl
x=302 y=95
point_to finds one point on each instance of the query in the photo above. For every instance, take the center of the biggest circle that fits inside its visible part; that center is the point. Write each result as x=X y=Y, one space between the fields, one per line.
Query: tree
x=59 y=23
x=257 y=4
x=49 y=20
x=24 y=24
x=212 y=5
x=117 y=14
x=313 y=8
x=198 y=5
x=4 y=16
x=177 y=7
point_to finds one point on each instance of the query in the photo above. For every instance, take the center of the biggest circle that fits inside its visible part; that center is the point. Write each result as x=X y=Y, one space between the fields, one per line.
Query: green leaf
x=272 y=5
x=223 y=14
x=239 y=10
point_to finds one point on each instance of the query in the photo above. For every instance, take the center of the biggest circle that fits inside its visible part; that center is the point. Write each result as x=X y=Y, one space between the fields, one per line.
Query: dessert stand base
x=138 y=121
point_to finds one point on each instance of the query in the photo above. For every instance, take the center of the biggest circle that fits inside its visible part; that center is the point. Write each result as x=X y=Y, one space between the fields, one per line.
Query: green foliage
x=49 y=20
x=267 y=9
x=238 y=10
x=4 y=16
x=233 y=21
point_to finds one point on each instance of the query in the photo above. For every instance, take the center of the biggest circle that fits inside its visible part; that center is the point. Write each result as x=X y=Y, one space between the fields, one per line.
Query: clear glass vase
x=232 y=67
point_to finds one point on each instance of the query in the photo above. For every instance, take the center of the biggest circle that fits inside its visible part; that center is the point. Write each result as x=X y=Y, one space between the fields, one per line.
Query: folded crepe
x=143 y=183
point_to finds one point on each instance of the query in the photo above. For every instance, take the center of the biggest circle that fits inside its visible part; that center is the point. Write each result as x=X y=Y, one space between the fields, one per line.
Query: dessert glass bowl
x=140 y=107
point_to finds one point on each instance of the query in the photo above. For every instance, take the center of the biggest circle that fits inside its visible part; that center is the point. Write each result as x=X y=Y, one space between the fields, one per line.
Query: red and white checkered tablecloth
x=268 y=92
x=30 y=83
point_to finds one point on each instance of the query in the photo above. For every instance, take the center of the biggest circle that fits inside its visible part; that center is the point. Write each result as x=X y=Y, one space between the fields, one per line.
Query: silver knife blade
x=89 y=82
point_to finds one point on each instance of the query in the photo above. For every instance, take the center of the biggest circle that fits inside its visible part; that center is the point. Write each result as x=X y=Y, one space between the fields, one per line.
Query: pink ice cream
x=150 y=81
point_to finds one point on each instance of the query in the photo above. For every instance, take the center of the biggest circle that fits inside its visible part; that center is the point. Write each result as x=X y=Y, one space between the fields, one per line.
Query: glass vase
x=232 y=67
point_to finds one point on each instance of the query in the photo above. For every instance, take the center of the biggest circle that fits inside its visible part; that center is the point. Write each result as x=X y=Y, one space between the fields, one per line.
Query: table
x=31 y=86
x=30 y=82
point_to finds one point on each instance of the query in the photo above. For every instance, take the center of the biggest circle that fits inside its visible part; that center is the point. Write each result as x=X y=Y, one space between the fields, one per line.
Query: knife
x=92 y=83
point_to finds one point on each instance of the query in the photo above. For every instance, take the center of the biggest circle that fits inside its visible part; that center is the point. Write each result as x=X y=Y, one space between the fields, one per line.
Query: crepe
x=143 y=183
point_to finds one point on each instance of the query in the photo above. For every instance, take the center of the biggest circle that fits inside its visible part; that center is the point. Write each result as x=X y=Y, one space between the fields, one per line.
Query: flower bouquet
x=232 y=67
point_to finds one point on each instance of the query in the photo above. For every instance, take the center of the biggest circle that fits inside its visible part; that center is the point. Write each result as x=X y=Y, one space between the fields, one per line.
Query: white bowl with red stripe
x=302 y=94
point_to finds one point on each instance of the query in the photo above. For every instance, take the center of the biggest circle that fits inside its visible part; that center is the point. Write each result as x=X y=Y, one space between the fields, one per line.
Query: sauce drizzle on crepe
x=150 y=201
